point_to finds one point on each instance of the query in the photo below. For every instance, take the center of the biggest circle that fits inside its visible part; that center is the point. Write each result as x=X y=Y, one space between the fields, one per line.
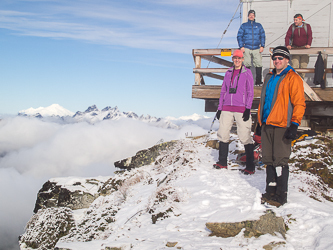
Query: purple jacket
x=244 y=95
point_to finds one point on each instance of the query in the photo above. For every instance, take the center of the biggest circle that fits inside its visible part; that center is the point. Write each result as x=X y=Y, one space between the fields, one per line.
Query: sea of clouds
x=33 y=151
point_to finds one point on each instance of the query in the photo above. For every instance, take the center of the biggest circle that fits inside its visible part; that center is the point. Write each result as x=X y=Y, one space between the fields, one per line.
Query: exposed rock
x=123 y=247
x=46 y=227
x=273 y=244
x=171 y=244
x=54 y=195
x=97 y=223
x=213 y=144
x=317 y=160
x=111 y=185
x=267 y=223
x=144 y=157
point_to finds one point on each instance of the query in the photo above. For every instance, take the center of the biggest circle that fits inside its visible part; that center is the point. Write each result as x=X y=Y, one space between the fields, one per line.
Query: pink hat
x=238 y=53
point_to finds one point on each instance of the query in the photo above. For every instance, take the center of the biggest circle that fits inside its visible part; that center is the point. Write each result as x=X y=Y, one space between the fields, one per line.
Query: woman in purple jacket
x=235 y=104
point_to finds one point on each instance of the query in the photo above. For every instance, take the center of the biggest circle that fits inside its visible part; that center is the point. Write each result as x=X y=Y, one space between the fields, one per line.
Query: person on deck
x=235 y=104
x=251 y=40
x=299 y=35
x=280 y=111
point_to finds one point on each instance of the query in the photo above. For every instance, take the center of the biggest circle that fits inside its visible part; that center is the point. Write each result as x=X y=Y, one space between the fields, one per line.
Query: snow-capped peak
x=92 y=108
x=52 y=110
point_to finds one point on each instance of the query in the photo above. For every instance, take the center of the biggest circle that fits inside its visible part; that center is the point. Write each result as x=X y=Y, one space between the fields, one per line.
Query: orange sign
x=225 y=52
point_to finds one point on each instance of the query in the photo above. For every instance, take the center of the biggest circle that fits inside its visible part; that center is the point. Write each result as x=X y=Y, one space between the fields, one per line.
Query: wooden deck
x=213 y=92
x=211 y=95
x=319 y=101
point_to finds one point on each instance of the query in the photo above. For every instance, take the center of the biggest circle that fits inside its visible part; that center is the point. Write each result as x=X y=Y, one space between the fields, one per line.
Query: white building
x=277 y=15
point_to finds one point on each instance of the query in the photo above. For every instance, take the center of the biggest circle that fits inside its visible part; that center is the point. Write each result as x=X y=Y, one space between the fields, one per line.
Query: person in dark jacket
x=299 y=35
x=251 y=40
x=235 y=104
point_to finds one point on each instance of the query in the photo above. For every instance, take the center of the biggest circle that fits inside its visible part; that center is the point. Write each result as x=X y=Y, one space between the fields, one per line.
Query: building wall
x=277 y=15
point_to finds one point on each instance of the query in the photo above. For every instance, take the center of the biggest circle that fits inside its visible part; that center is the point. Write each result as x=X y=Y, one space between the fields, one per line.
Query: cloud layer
x=34 y=151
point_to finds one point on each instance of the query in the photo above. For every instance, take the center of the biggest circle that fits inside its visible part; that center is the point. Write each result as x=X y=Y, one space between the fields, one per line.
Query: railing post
x=197 y=76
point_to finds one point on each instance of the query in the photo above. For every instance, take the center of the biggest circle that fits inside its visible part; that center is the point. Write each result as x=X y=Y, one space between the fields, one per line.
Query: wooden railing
x=325 y=51
x=209 y=55
x=214 y=55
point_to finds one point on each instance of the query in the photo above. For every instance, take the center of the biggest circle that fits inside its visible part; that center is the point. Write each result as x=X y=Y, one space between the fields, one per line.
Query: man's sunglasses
x=277 y=57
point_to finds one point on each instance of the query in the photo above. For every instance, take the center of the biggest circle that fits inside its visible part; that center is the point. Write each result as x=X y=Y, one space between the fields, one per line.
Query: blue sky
x=134 y=54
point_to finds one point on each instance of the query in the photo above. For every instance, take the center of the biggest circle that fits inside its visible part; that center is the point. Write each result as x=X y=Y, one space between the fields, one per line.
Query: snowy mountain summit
x=172 y=201
x=92 y=115
x=52 y=110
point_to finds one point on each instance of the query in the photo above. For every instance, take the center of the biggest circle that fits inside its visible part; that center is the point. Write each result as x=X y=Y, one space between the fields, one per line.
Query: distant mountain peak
x=52 y=110
x=91 y=108
x=92 y=115
x=107 y=108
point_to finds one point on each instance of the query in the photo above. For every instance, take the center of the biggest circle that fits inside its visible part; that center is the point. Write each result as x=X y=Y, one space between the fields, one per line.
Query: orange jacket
x=288 y=104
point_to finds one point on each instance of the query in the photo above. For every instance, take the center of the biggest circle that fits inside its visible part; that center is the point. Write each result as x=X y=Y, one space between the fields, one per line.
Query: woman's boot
x=250 y=167
x=223 y=156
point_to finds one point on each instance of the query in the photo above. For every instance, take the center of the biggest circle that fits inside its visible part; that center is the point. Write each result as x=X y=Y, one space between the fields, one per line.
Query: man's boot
x=250 y=167
x=282 y=184
x=258 y=76
x=270 y=184
x=223 y=156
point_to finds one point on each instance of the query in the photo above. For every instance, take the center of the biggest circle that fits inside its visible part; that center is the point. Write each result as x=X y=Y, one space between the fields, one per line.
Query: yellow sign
x=225 y=52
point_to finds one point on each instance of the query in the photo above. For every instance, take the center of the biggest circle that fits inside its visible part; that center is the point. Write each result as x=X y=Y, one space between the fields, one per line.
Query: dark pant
x=276 y=149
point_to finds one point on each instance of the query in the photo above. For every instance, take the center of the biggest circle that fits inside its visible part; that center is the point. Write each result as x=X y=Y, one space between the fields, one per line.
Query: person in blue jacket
x=251 y=40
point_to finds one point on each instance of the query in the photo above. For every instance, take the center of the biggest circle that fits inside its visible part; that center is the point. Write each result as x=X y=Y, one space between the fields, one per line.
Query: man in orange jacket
x=280 y=111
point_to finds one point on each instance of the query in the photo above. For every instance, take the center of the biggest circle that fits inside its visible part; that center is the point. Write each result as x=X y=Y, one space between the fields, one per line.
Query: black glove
x=258 y=129
x=291 y=132
x=218 y=114
x=246 y=115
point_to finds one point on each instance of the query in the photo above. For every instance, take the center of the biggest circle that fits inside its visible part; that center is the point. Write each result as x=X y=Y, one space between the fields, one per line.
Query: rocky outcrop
x=144 y=157
x=75 y=196
x=316 y=160
x=101 y=198
x=46 y=227
x=268 y=223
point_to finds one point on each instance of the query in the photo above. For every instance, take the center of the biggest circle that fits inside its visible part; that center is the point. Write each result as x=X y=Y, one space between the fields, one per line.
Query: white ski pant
x=243 y=128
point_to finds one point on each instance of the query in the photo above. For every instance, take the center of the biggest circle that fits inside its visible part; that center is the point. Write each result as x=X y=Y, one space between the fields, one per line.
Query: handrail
x=214 y=55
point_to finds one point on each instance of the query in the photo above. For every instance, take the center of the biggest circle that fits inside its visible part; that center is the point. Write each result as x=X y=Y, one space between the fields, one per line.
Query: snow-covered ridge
x=92 y=115
x=171 y=200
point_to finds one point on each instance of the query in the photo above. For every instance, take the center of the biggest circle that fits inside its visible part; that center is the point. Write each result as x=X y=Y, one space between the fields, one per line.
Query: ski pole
x=211 y=126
